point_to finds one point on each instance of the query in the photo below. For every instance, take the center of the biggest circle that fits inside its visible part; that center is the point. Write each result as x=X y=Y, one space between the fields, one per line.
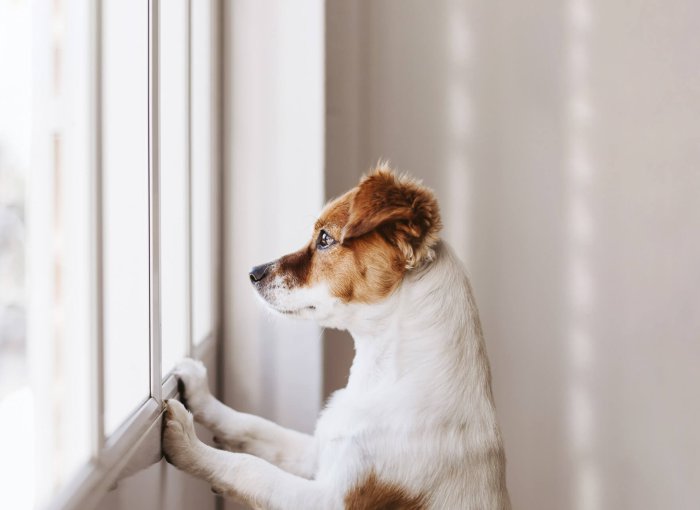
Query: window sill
x=134 y=446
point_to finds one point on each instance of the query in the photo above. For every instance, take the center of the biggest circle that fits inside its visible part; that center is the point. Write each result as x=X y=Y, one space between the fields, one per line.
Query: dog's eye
x=324 y=240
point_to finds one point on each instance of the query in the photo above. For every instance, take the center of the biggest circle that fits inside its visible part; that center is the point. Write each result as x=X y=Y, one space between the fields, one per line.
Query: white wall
x=563 y=139
x=274 y=191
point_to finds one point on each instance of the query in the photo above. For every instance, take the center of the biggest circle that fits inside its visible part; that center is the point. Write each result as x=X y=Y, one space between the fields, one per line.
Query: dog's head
x=361 y=248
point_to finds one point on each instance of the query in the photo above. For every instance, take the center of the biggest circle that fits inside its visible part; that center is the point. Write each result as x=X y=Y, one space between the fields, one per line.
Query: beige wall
x=563 y=139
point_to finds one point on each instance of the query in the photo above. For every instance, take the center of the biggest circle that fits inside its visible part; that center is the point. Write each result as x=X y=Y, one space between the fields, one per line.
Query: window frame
x=135 y=444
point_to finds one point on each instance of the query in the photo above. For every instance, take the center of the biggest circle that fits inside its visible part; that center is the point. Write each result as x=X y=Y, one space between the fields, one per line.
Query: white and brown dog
x=415 y=428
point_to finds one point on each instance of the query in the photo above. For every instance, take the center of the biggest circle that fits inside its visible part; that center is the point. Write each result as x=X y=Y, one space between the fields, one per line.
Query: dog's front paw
x=192 y=383
x=180 y=443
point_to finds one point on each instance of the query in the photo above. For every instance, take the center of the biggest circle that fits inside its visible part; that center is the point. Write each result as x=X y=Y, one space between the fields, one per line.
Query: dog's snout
x=259 y=272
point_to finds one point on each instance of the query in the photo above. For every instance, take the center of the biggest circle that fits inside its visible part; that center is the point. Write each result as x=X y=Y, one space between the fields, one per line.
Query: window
x=125 y=202
x=45 y=347
x=108 y=172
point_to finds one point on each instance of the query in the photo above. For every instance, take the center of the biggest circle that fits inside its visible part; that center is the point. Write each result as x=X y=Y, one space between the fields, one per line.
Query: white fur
x=417 y=410
x=314 y=302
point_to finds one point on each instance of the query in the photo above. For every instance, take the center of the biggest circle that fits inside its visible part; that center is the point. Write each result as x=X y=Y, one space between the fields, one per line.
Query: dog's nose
x=259 y=272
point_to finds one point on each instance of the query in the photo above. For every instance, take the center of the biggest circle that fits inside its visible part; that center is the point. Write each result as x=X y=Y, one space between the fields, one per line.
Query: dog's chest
x=351 y=420
x=346 y=432
x=351 y=415
x=343 y=417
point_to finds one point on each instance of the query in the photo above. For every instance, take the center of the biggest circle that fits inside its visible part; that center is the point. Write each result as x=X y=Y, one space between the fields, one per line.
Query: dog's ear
x=404 y=211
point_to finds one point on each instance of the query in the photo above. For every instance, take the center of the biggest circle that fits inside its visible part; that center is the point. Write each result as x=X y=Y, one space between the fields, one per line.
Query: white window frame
x=136 y=443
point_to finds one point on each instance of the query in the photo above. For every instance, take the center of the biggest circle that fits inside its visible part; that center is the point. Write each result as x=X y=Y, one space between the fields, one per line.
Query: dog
x=416 y=427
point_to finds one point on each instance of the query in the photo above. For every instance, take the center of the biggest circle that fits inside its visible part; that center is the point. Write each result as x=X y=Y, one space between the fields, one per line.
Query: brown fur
x=296 y=266
x=365 y=269
x=373 y=494
x=401 y=209
x=383 y=227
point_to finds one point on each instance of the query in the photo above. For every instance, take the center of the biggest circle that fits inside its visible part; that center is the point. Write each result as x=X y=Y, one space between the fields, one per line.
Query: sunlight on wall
x=459 y=110
x=579 y=120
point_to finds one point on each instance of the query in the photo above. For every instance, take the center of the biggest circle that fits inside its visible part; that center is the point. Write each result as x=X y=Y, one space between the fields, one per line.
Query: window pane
x=125 y=207
x=17 y=438
x=45 y=399
x=201 y=170
x=173 y=182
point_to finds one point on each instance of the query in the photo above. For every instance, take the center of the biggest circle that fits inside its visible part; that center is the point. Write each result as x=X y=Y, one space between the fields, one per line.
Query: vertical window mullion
x=98 y=372
x=154 y=202
x=190 y=332
x=216 y=178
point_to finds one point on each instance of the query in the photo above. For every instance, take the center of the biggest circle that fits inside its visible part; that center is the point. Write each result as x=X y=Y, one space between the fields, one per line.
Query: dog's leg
x=242 y=476
x=239 y=432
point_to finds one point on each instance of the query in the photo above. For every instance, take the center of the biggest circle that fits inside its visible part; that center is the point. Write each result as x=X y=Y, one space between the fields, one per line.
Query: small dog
x=415 y=428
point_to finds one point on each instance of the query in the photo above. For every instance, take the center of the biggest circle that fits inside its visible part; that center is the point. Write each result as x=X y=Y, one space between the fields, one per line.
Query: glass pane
x=45 y=246
x=125 y=207
x=201 y=170
x=173 y=182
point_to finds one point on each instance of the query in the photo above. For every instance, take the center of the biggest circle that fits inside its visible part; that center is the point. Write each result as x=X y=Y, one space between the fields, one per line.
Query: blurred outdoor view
x=54 y=419
x=15 y=126
x=15 y=140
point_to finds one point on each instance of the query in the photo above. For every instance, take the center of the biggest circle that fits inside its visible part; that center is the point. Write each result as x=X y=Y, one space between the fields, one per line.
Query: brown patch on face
x=373 y=494
x=382 y=228
x=361 y=270
x=296 y=266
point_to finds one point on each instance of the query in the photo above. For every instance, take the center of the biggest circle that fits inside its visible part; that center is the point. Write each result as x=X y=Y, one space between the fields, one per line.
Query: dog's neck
x=426 y=334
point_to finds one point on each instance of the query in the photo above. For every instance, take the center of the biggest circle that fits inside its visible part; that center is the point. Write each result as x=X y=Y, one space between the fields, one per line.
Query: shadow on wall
x=564 y=143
